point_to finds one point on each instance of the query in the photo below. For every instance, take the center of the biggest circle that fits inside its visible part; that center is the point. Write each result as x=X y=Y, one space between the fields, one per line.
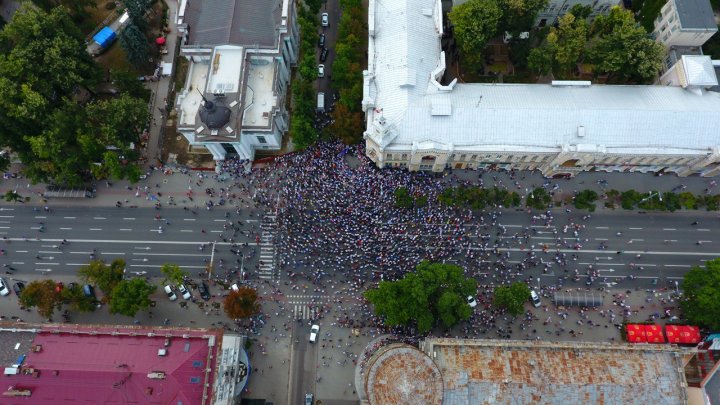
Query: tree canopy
x=173 y=273
x=511 y=297
x=73 y=295
x=104 y=276
x=131 y=296
x=44 y=70
x=242 y=303
x=434 y=292
x=700 y=302
x=42 y=295
x=475 y=22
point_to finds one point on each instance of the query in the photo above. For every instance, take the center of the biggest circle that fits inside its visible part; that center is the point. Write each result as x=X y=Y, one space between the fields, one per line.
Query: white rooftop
x=259 y=97
x=699 y=70
x=226 y=69
x=515 y=117
x=192 y=99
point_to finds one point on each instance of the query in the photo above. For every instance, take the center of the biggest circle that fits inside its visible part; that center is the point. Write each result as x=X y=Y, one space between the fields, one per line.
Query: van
x=321 y=102
x=89 y=291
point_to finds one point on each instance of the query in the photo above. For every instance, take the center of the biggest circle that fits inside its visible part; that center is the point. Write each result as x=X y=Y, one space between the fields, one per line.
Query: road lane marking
x=601 y=227
x=70 y=217
x=47 y=264
x=76 y=264
x=39 y=217
x=169 y=254
x=677 y=265
x=220 y=220
x=18 y=262
x=95 y=229
x=216 y=231
x=636 y=228
x=638 y=240
x=126 y=229
x=65 y=229
x=112 y=253
x=99 y=218
x=21 y=251
x=4 y=227
x=669 y=229
x=51 y=252
x=601 y=239
x=186 y=230
x=129 y=219
x=188 y=219
x=703 y=230
x=7 y=216
x=80 y=253
x=159 y=266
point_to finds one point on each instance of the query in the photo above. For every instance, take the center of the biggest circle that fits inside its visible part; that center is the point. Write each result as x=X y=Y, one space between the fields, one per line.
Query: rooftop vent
x=157 y=375
x=581 y=131
x=162 y=352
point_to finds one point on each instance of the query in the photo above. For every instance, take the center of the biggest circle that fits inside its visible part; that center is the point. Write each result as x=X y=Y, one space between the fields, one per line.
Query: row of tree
x=302 y=131
x=44 y=69
x=436 y=294
x=613 y=44
x=478 y=198
x=124 y=296
x=350 y=60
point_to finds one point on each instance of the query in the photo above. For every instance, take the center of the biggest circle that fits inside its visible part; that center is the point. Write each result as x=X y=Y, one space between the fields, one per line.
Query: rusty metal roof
x=528 y=372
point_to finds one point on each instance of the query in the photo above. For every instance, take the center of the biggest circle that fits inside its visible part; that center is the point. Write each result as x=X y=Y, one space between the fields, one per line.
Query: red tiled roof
x=83 y=368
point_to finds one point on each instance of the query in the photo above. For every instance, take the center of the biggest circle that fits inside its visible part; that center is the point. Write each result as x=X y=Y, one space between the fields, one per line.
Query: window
x=452 y=157
x=565 y=8
x=388 y=156
x=462 y=157
x=473 y=157
x=261 y=139
x=404 y=156
x=488 y=156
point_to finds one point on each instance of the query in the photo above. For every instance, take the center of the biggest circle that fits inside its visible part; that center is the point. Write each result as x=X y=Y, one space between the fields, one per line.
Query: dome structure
x=214 y=114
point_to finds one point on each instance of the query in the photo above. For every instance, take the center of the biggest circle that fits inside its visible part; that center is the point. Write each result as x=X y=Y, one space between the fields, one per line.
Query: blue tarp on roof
x=104 y=37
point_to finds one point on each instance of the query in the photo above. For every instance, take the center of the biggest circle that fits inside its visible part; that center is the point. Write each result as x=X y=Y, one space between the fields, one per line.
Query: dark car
x=323 y=54
x=18 y=287
x=321 y=41
x=204 y=291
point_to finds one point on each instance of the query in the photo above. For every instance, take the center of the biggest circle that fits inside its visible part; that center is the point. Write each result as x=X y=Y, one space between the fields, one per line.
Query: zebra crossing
x=268 y=227
x=306 y=306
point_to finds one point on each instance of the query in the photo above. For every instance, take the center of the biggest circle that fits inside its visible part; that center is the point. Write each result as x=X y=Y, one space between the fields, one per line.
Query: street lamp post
x=212 y=259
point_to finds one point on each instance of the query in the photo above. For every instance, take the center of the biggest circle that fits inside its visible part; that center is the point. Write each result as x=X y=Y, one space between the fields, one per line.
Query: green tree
x=131 y=296
x=403 y=199
x=127 y=82
x=475 y=22
x=136 y=45
x=136 y=10
x=567 y=43
x=519 y=15
x=119 y=121
x=540 y=60
x=511 y=297
x=434 y=292
x=623 y=49
x=13 y=196
x=538 y=199
x=585 y=200
x=76 y=298
x=173 y=273
x=242 y=303
x=40 y=294
x=700 y=301
x=104 y=276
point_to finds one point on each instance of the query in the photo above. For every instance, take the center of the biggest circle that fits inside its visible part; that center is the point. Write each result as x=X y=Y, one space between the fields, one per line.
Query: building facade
x=420 y=118
x=685 y=23
x=240 y=57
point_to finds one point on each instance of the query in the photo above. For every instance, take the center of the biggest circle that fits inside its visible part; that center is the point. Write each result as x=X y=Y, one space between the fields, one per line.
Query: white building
x=240 y=55
x=685 y=23
x=419 y=119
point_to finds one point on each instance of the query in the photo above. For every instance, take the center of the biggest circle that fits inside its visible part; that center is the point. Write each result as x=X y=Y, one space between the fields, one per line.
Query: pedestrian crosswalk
x=304 y=312
x=268 y=227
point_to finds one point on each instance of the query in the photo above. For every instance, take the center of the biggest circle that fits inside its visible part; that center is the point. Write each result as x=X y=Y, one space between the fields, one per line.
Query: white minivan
x=321 y=102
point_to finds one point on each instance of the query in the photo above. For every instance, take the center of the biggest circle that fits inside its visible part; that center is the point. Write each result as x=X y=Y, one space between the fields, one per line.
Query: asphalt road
x=304 y=358
x=136 y=235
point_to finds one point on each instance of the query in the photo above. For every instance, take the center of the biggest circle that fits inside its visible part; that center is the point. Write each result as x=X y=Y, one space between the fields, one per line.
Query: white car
x=325 y=19
x=534 y=298
x=184 y=292
x=4 y=290
x=321 y=70
x=314 y=330
x=471 y=301
x=170 y=293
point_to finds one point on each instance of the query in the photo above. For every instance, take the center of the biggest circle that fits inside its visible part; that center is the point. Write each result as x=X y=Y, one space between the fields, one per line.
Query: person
x=694 y=223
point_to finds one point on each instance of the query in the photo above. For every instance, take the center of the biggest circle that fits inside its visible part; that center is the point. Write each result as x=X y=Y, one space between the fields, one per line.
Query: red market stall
x=654 y=334
x=635 y=333
x=683 y=334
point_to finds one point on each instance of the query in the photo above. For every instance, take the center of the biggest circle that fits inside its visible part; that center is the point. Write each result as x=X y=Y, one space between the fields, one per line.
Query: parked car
x=308 y=399
x=321 y=70
x=534 y=298
x=170 y=293
x=204 y=291
x=18 y=288
x=314 y=330
x=3 y=287
x=323 y=55
x=325 y=19
x=184 y=292
x=471 y=301
x=321 y=41
x=89 y=291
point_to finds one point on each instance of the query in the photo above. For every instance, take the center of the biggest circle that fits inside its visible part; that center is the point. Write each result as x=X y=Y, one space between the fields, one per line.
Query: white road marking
x=7 y=216
x=65 y=229
x=511 y=226
x=677 y=265
x=169 y=254
x=669 y=229
x=158 y=266
x=47 y=264
x=601 y=227
x=95 y=229
x=77 y=264
x=703 y=230
x=220 y=220
x=99 y=218
x=51 y=252
x=216 y=231
x=21 y=251
x=601 y=239
x=186 y=230
x=129 y=219
x=126 y=229
x=39 y=217
x=113 y=253
x=80 y=253
x=636 y=228
x=4 y=227
x=188 y=219
x=70 y=217
x=18 y=262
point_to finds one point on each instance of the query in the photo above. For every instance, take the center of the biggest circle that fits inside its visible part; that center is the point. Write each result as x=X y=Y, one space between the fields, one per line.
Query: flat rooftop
x=696 y=14
x=236 y=22
x=82 y=364
x=259 y=99
x=524 y=372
